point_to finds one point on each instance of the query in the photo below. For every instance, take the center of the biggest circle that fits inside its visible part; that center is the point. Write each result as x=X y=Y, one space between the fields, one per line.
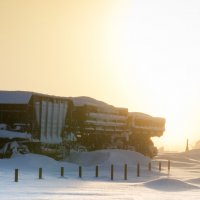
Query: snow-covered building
x=43 y=116
x=83 y=121
x=98 y=123
x=141 y=123
x=143 y=127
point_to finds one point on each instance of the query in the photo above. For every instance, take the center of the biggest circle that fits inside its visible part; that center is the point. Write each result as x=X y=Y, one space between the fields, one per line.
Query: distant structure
x=187 y=145
x=59 y=124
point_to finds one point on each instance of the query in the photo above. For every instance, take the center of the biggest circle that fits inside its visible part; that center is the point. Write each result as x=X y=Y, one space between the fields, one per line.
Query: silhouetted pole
x=138 y=169
x=160 y=165
x=80 y=172
x=97 y=171
x=169 y=165
x=62 y=171
x=40 y=173
x=125 y=172
x=149 y=167
x=16 y=175
x=112 y=172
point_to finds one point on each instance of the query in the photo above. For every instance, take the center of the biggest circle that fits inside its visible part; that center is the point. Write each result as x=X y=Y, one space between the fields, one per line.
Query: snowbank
x=31 y=162
x=13 y=134
x=83 y=100
x=107 y=157
x=169 y=185
x=195 y=180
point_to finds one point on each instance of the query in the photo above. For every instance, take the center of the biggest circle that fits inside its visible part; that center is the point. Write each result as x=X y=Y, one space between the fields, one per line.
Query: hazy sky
x=142 y=54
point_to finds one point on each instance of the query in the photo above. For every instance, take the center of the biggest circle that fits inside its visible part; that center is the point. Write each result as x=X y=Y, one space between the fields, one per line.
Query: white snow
x=169 y=184
x=83 y=100
x=15 y=97
x=107 y=116
x=14 y=134
x=107 y=157
x=107 y=123
x=183 y=181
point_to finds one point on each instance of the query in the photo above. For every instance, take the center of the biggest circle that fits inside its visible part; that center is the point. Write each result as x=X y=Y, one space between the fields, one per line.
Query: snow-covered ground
x=183 y=181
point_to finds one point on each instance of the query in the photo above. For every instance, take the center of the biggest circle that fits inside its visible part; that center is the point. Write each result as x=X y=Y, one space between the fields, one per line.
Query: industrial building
x=63 y=123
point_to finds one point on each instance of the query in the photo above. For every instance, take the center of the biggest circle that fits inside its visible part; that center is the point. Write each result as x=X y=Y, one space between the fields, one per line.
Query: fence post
x=40 y=173
x=62 y=171
x=112 y=172
x=138 y=169
x=149 y=166
x=125 y=172
x=97 y=171
x=169 y=165
x=80 y=172
x=16 y=175
x=159 y=165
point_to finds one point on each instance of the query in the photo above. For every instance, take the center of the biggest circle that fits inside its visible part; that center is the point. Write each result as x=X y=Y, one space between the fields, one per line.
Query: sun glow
x=157 y=66
x=143 y=55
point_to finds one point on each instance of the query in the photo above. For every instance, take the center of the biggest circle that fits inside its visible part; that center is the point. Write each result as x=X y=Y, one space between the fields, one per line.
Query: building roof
x=21 y=97
x=15 y=97
x=83 y=100
x=139 y=114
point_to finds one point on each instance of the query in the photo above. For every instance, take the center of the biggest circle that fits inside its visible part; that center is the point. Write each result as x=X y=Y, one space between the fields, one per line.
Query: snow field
x=181 y=183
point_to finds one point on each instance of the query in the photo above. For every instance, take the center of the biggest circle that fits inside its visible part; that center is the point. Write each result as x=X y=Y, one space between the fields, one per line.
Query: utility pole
x=187 y=146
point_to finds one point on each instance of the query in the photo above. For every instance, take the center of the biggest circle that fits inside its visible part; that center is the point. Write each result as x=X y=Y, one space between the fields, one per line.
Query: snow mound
x=171 y=185
x=14 y=134
x=194 y=154
x=107 y=157
x=83 y=100
x=29 y=162
x=195 y=180
x=35 y=160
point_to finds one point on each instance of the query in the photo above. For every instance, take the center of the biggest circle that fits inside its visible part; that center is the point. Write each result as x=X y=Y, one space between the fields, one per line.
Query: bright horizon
x=140 y=54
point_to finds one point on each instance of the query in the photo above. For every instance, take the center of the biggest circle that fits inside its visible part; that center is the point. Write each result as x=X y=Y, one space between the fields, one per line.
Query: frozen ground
x=183 y=181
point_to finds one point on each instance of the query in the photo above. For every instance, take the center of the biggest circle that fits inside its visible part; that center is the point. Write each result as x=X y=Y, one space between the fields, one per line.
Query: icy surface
x=181 y=183
x=13 y=134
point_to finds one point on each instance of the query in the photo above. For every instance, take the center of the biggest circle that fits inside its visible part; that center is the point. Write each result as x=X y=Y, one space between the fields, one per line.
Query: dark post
x=97 y=171
x=80 y=172
x=149 y=166
x=16 y=175
x=40 y=173
x=169 y=164
x=160 y=166
x=125 y=172
x=112 y=172
x=62 y=171
x=138 y=169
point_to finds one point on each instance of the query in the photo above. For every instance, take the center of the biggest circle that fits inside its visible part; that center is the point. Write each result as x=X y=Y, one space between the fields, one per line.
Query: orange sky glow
x=139 y=54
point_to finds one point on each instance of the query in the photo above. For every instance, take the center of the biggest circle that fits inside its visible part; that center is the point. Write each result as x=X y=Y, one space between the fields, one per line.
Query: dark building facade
x=94 y=124
x=43 y=116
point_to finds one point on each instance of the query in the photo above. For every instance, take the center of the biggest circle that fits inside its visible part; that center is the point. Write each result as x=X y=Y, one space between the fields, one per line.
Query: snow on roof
x=83 y=100
x=15 y=97
x=138 y=114
x=21 y=97
x=143 y=115
x=13 y=134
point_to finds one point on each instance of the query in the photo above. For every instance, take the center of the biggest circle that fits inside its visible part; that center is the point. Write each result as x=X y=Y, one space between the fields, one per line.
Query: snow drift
x=107 y=157
x=169 y=185
x=31 y=162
